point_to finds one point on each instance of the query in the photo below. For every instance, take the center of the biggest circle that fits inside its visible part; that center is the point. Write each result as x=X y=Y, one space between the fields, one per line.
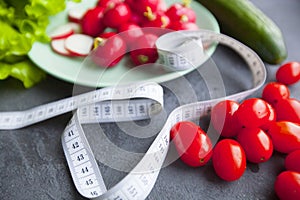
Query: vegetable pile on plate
x=119 y=26
x=22 y=23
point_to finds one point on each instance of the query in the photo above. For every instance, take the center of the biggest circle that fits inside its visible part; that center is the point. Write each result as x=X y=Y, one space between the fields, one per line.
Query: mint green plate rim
x=75 y=70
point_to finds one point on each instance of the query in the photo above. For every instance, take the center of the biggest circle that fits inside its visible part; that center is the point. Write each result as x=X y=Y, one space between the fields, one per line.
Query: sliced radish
x=79 y=44
x=60 y=32
x=58 y=46
x=65 y=30
x=76 y=14
x=75 y=27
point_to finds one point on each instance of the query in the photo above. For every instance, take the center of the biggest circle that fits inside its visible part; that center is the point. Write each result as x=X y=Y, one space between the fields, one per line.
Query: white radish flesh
x=60 y=32
x=76 y=14
x=58 y=46
x=75 y=27
x=79 y=44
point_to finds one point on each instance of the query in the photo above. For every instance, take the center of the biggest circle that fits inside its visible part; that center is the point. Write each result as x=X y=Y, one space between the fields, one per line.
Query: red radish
x=92 y=22
x=107 y=4
x=140 y=6
x=75 y=26
x=181 y=12
x=116 y=16
x=130 y=3
x=76 y=14
x=79 y=44
x=107 y=34
x=136 y=18
x=58 y=46
x=144 y=50
x=130 y=32
x=177 y=26
x=109 y=51
x=157 y=19
x=162 y=6
x=60 y=32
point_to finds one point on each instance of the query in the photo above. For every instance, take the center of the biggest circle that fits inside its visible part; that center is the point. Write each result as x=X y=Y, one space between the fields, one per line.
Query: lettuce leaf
x=22 y=23
x=12 y=42
x=24 y=71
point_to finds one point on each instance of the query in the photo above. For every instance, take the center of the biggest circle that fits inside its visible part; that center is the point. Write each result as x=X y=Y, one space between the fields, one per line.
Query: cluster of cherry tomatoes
x=250 y=131
x=121 y=26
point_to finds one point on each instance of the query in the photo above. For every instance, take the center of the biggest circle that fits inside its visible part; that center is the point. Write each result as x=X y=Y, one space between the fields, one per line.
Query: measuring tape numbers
x=129 y=103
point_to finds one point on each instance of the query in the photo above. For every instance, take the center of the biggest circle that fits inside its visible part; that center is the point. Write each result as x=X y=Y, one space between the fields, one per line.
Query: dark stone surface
x=33 y=166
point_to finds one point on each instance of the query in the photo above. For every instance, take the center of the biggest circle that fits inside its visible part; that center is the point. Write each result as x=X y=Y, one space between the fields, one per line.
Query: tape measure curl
x=146 y=99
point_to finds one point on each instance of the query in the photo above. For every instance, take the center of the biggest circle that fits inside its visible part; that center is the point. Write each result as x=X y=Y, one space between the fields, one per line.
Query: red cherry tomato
x=288 y=109
x=287 y=185
x=144 y=50
x=289 y=73
x=130 y=32
x=285 y=136
x=275 y=91
x=92 y=22
x=292 y=161
x=116 y=16
x=192 y=143
x=253 y=112
x=109 y=52
x=272 y=118
x=223 y=119
x=229 y=160
x=256 y=143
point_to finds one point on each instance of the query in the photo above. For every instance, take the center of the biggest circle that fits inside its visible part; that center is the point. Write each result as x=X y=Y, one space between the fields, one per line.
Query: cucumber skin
x=243 y=21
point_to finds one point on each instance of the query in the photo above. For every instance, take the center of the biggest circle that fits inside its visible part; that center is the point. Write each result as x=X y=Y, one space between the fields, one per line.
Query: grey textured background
x=33 y=166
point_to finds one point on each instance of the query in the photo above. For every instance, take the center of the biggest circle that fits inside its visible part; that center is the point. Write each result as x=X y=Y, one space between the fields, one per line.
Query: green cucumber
x=243 y=21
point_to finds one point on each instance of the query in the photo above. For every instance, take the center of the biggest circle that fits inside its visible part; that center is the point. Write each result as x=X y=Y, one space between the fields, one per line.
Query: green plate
x=78 y=71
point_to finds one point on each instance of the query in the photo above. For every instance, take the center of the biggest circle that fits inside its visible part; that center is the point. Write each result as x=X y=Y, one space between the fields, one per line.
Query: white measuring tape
x=131 y=102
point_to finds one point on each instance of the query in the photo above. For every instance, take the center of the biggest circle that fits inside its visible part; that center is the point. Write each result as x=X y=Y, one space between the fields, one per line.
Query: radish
x=79 y=44
x=58 y=46
x=65 y=30
x=60 y=32
x=75 y=26
x=76 y=14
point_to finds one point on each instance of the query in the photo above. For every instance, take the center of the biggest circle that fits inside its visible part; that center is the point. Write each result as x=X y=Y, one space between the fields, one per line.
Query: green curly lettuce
x=22 y=23
x=24 y=71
